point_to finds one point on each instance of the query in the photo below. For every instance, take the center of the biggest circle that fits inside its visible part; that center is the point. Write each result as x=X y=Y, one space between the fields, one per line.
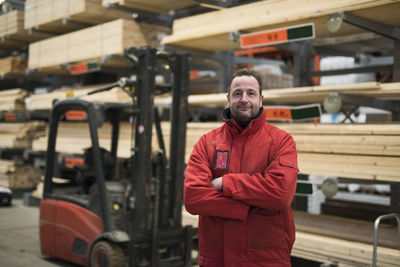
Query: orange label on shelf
x=71 y=162
x=278 y=113
x=263 y=38
x=75 y=115
x=194 y=74
x=78 y=68
x=9 y=116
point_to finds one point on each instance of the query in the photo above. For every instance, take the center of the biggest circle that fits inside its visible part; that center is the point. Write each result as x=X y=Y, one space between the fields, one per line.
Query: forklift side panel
x=47 y=231
x=73 y=229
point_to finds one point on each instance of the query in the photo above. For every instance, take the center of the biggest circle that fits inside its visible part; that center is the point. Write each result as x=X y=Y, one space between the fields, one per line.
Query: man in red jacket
x=241 y=179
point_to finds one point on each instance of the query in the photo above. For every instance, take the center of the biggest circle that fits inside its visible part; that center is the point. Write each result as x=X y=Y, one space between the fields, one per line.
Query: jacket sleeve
x=272 y=190
x=199 y=197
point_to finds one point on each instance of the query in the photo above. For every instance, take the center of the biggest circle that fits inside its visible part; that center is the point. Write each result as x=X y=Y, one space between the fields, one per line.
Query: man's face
x=244 y=98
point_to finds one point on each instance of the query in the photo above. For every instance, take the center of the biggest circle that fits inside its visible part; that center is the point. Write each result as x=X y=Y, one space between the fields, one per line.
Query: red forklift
x=92 y=217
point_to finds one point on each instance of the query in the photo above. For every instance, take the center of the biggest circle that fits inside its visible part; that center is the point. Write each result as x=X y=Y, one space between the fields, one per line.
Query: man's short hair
x=246 y=72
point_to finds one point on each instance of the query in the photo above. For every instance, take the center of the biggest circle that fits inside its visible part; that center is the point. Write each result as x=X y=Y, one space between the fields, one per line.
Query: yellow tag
x=70 y=94
x=116 y=206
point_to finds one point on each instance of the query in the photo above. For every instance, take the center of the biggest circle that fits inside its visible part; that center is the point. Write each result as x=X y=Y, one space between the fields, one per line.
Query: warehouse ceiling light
x=334 y=22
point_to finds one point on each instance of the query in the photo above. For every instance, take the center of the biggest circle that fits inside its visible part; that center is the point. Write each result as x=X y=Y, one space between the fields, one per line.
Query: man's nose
x=245 y=97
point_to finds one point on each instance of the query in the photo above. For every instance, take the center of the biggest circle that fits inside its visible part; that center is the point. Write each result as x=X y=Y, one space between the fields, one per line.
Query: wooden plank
x=299 y=95
x=45 y=101
x=329 y=165
x=157 y=6
x=349 y=144
x=200 y=31
x=335 y=128
x=345 y=229
x=356 y=253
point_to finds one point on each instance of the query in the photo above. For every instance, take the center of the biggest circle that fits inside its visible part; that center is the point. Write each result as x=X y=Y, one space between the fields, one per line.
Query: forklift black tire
x=107 y=254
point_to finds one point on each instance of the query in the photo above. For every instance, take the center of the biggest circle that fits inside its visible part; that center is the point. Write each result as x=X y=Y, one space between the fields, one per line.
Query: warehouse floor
x=19 y=237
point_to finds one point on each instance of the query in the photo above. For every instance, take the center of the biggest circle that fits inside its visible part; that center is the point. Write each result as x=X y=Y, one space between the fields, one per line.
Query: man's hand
x=217 y=183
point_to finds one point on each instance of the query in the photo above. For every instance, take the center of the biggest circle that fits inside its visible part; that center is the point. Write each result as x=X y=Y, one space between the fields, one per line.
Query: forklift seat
x=86 y=175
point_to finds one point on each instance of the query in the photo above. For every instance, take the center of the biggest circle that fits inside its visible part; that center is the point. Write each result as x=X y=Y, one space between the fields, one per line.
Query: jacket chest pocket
x=221 y=161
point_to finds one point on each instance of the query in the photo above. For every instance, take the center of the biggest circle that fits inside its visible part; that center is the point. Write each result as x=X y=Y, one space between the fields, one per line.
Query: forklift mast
x=167 y=205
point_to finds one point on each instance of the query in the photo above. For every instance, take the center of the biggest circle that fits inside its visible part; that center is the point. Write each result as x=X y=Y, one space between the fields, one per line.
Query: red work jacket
x=250 y=222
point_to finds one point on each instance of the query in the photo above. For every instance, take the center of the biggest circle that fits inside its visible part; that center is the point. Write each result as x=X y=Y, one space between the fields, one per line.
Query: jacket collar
x=236 y=129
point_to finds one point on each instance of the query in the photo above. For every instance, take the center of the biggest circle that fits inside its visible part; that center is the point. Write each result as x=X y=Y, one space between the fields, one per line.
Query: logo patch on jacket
x=221 y=160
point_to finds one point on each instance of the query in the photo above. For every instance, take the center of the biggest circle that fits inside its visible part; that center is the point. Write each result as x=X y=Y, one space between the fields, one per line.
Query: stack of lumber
x=211 y=31
x=92 y=43
x=300 y=95
x=341 y=252
x=13 y=100
x=359 y=151
x=74 y=137
x=12 y=65
x=335 y=240
x=48 y=15
x=45 y=101
x=20 y=135
x=346 y=229
x=16 y=175
x=11 y=23
x=273 y=81
x=12 y=33
x=157 y=6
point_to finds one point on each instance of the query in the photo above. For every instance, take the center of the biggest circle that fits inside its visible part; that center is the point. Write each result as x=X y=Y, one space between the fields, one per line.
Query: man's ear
x=261 y=102
x=228 y=97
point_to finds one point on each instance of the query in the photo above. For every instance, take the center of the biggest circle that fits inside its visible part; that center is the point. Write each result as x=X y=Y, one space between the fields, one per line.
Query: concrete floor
x=19 y=237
